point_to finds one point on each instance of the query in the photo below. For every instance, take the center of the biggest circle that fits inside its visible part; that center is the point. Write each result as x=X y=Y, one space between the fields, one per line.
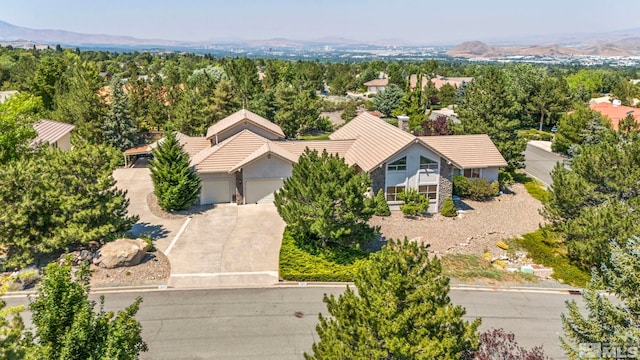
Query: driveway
x=227 y=245
x=539 y=162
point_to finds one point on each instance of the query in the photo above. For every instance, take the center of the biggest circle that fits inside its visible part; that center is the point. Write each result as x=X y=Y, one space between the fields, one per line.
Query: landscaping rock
x=122 y=252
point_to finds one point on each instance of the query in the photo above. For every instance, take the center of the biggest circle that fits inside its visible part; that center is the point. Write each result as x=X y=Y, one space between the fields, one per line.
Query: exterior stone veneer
x=445 y=182
x=378 y=178
x=239 y=188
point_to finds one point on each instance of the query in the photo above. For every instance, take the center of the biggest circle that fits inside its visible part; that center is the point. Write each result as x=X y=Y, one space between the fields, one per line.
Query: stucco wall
x=64 y=143
x=267 y=167
x=490 y=174
x=242 y=126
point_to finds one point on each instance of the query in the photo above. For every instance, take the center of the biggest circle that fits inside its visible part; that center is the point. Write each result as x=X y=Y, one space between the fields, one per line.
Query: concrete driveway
x=225 y=246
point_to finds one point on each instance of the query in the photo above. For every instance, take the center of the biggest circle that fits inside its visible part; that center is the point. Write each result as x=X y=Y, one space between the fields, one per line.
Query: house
x=615 y=112
x=4 y=95
x=376 y=85
x=245 y=158
x=438 y=81
x=56 y=134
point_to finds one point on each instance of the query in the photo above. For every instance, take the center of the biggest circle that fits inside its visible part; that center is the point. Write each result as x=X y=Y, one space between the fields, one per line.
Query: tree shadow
x=154 y=231
x=462 y=205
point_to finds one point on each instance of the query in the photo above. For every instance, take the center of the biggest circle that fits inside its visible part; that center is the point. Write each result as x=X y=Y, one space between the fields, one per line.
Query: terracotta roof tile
x=192 y=144
x=615 y=113
x=224 y=156
x=377 y=82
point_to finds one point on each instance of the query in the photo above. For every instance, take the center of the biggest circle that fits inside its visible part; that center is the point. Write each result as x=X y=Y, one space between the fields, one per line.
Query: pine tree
x=58 y=200
x=323 y=201
x=176 y=184
x=607 y=321
x=401 y=311
x=118 y=129
x=488 y=108
x=389 y=99
x=224 y=102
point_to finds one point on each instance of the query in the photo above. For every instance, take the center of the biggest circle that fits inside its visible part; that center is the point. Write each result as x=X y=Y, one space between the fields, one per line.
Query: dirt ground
x=154 y=270
x=477 y=228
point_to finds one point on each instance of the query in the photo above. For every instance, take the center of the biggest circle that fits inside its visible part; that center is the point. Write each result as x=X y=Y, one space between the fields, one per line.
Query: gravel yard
x=476 y=229
x=154 y=270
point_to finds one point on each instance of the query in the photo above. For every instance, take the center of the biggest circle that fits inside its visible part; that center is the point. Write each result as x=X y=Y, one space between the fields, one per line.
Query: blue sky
x=412 y=20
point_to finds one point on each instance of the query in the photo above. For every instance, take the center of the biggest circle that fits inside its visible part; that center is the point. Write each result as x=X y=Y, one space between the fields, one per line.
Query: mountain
x=9 y=32
x=477 y=49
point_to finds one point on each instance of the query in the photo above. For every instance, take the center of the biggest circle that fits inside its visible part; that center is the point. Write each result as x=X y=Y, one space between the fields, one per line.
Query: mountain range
x=615 y=43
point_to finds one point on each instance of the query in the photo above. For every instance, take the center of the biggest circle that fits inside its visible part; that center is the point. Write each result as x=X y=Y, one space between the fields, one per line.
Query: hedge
x=299 y=263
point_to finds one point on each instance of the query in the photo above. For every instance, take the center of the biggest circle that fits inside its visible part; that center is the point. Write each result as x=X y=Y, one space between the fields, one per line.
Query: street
x=539 y=163
x=279 y=322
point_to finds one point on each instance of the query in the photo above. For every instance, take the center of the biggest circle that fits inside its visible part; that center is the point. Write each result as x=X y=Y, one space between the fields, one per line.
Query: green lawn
x=323 y=136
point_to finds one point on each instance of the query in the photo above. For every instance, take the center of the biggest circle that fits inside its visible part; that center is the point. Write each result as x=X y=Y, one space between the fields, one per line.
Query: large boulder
x=122 y=252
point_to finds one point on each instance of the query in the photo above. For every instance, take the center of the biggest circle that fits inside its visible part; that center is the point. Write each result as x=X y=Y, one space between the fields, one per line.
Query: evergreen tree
x=388 y=100
x=382 y=208
x=67 y=327
x=401 y=311
x=224 y=102
x=489 y=108
x=118 y=129
x=449 y=208
x=578 y=128
x=191 y=116
x=350 y=111
x=58 y=200
x=175 y=183
x=615 y=322
x=323 y=201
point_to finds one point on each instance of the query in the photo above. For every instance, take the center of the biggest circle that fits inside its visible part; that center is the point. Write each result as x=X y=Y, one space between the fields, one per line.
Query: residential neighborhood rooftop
x=615 y=113
x=467 y=151
x=50 y=131
x=240 y=116
x=377 y=82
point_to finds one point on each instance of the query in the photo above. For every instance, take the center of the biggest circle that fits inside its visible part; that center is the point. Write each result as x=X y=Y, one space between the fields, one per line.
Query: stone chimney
x=403 y=122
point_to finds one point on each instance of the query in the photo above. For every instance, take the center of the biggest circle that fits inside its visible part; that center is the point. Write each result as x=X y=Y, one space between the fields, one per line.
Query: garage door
x=215 y=191
x=261 y=191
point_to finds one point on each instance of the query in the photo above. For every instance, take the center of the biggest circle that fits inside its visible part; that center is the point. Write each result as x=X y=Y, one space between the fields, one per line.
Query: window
x=430 y=191
x=393 y=191
x=398 y=165
x=428 y=164
x=471 y=173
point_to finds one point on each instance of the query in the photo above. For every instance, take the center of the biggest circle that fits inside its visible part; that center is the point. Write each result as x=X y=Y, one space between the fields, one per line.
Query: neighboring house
x=4 y=95
x=615 y=112
x=244 y=158
x=438 y=81
x=56 y=134
x=447 y=112
x=376 y=85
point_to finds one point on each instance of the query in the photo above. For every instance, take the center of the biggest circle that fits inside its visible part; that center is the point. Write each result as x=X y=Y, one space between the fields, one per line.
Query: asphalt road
x=279 y=323
x=539 y=163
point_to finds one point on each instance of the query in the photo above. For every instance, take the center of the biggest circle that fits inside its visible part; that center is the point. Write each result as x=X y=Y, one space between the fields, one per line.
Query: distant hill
x=477 y=49
x=9 y=32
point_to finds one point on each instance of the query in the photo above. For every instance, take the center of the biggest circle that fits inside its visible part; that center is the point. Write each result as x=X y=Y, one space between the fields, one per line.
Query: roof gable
x=375 y=140
x=225 y=155
x=238 y=119
x=466 y=151
x=50 y=131
x=270 y=147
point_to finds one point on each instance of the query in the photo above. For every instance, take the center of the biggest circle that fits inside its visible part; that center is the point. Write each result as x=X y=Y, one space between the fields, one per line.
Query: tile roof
x=340 y=147
x=438 y=81
x=377 y=82
x=50 y=131
x=225 y=155
x=240 y=116
x=466 y=151
x=615 y=113
x=270 y=147
x=139 y=150
x=192 y=144
x=375 y=140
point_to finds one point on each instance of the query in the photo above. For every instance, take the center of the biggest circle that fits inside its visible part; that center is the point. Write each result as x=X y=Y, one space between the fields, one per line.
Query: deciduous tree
x=17 y=116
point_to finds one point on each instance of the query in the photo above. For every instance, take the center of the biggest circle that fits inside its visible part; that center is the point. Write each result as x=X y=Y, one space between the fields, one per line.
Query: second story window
x=398 y=165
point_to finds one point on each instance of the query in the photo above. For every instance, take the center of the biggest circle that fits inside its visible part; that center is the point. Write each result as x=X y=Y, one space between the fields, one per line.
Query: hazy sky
x=417 y=21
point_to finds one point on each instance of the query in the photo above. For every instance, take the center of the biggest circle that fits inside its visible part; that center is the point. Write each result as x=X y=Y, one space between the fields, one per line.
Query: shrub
x=449 y=208
x=301 y=262
x=414 y=203
x=460 y=186
x=498 y=344
x=505 y=178
x=480 y=189
x=382 y=208
x=533 y=134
